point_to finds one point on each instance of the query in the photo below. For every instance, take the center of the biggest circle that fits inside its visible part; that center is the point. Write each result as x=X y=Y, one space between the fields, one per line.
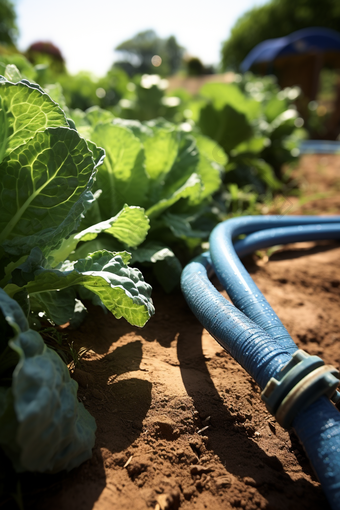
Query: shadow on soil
x=240 y=455
x=119 y=409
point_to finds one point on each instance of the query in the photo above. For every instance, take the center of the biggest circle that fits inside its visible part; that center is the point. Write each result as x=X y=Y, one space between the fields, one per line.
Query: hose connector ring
x=300 y=383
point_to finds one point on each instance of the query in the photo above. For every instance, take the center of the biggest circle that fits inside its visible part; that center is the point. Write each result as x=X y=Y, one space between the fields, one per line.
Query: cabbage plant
x=256 y=124
x=47 y=172
x=161 y=167
x=43 y=427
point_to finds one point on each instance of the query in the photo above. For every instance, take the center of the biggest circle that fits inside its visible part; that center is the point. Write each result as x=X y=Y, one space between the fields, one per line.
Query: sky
x=87 y=31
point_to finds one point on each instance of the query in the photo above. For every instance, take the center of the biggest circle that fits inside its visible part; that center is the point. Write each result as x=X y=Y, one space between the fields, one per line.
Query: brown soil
x=180 y=424
x=193 y=83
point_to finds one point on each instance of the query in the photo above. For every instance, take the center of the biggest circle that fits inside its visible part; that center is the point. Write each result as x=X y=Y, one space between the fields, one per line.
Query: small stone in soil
x=223 y=481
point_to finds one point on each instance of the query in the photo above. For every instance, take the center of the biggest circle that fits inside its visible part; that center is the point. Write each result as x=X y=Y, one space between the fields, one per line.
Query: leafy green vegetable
x=152 y=252
x=45 y=189
x=122 y=178
x=121 y=289
x=147 y=100
x=253 y=122
x=158 y=166
x=43 y=427
x=130 y=226
x=42 y=181
x=222 y=94
x=167 y=267
x=23 y=112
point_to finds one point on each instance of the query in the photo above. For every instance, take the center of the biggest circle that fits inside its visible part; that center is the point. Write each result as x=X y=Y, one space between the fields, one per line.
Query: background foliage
x=8 y=26
x=138 y=51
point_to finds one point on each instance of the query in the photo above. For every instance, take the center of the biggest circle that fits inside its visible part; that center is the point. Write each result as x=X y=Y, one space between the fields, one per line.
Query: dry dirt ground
x=180 y=424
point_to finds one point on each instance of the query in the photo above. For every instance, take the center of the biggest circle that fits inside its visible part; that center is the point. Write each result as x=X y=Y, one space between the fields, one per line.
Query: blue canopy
x=307 y=40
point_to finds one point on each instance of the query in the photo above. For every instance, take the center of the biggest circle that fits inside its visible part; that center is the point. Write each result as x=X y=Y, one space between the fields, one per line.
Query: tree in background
x=195 y=67
x=172 y=55
x=276 y=19
x=8 y=26
x=146 y=53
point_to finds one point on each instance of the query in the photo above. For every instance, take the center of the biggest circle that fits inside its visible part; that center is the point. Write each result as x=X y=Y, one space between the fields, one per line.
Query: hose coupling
x=301 y=382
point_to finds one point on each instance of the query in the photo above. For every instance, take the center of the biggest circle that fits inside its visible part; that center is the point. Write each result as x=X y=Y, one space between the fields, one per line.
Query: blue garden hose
x=252 y=333
x=319 y=147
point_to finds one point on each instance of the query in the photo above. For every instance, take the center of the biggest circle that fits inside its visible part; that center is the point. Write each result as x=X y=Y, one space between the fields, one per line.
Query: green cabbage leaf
x=43 y=427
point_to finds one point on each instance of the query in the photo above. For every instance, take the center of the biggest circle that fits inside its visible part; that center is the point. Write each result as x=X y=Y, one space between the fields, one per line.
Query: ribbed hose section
x=318 y=428
x=235 y=279
x=283 y=235
x=252 y=347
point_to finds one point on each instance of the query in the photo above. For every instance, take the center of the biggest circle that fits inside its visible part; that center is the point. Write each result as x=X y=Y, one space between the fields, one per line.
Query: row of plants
x=72 y=220
x=89 y=201
x=255 y=123
x=47 y=173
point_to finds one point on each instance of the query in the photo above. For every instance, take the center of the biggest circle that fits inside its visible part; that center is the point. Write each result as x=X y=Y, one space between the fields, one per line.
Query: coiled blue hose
x=251 y=331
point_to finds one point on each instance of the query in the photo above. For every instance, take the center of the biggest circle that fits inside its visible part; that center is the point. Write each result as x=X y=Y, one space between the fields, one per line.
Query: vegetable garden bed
x=90 y=204
x=180 y=424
